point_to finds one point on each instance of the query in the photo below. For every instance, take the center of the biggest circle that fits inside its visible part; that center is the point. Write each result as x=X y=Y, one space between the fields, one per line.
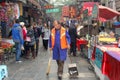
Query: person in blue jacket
x=59 y=42
x=18 y=39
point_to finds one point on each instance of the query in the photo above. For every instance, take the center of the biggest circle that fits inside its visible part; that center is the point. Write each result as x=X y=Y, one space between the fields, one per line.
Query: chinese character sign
x=89 y=6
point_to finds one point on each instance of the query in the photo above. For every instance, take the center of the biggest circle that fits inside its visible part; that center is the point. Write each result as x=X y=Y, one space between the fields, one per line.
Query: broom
x=49 y=64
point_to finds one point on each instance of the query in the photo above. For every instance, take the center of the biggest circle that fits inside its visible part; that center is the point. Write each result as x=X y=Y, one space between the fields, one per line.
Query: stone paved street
x=36 y=69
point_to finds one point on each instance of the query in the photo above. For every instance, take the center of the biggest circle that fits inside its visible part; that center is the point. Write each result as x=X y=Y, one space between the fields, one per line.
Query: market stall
x=106 y=59
x=105 y=45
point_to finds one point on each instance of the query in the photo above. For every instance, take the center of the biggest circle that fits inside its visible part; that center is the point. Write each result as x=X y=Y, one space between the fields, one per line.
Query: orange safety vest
x=63 y=41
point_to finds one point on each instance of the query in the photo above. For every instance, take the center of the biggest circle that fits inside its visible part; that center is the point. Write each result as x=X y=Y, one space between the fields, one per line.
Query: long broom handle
x=49 y=64
x=70 y=57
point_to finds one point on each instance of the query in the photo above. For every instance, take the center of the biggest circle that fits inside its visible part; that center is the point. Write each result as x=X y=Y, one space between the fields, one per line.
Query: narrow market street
x=83 y=35
x=36 y=69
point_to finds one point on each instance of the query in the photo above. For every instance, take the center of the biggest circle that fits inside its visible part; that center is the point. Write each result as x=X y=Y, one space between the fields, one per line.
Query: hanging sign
x=54 y=10
x=95 y=11
x=85 y=14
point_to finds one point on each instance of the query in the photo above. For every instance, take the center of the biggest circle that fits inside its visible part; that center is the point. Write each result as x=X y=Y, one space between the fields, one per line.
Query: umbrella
x=107 y=13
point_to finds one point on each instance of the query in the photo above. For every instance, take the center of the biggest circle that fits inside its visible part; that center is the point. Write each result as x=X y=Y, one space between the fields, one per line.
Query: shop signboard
x=89 y=6
x=54 y=10
x=49 y=6
x=65 y=11
x=95 y=11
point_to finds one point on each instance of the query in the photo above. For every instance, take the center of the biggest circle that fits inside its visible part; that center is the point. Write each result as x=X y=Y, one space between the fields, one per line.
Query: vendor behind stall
x=95 y=30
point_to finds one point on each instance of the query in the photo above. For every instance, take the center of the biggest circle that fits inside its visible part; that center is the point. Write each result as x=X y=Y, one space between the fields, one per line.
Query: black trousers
x=60 y=66
x=45 y=44
x=73 y=47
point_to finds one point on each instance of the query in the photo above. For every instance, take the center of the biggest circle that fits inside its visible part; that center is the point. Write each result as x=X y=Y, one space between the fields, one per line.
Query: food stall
x=104 y=49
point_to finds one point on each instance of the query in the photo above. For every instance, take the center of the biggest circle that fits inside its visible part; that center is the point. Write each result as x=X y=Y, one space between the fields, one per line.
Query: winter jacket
x=37 y=32
x=73 y=33
x=17 y=33
x=30 y=33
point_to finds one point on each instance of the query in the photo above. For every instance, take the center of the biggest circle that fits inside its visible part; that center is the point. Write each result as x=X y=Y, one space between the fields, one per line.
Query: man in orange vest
x=59 y=42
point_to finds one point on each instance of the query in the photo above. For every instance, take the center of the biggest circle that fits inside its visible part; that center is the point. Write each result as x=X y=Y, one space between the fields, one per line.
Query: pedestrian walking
x=42 y=33
x=24 y=32
x=59 y=42
x=37 y=33
x=73 y=36
x=46 y=36
x=18 y=39
x=30 y=45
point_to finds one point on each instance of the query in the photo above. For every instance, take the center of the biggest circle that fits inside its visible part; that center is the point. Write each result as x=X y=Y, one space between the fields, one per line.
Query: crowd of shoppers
x=26 y=39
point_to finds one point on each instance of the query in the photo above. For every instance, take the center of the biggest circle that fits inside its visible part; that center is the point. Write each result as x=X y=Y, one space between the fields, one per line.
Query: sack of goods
x=72 y=69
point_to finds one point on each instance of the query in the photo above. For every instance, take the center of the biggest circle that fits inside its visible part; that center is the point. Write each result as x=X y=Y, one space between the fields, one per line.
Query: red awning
x=106 y=13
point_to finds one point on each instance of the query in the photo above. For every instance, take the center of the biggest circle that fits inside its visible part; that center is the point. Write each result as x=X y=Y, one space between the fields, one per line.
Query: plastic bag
x=22 y=47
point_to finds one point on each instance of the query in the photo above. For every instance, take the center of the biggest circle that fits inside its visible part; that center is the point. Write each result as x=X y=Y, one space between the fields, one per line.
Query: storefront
x=8 y=12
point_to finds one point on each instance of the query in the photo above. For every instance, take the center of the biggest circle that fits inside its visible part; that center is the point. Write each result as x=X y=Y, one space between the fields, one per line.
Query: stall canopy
x=103 y=14
x=106 y=13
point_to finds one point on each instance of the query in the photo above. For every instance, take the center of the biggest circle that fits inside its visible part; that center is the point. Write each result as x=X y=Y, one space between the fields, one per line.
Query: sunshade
x=107 y=13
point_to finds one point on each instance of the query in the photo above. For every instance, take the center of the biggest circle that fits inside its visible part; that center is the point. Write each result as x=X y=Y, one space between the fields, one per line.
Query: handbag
x=28 y=39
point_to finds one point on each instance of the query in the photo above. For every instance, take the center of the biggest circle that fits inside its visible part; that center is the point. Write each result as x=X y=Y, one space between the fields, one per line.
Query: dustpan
x=72 y=69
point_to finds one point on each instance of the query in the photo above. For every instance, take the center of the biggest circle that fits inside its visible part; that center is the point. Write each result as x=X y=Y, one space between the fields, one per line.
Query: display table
x=80 y=42
x=106 y=61
x=6 y=45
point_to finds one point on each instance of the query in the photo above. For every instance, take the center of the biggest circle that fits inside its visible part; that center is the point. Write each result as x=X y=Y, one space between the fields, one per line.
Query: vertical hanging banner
x=21 y=8
x=65 y=11
x=72 y=12
x=16 y=11
x=85 y=15
x=95 y=11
